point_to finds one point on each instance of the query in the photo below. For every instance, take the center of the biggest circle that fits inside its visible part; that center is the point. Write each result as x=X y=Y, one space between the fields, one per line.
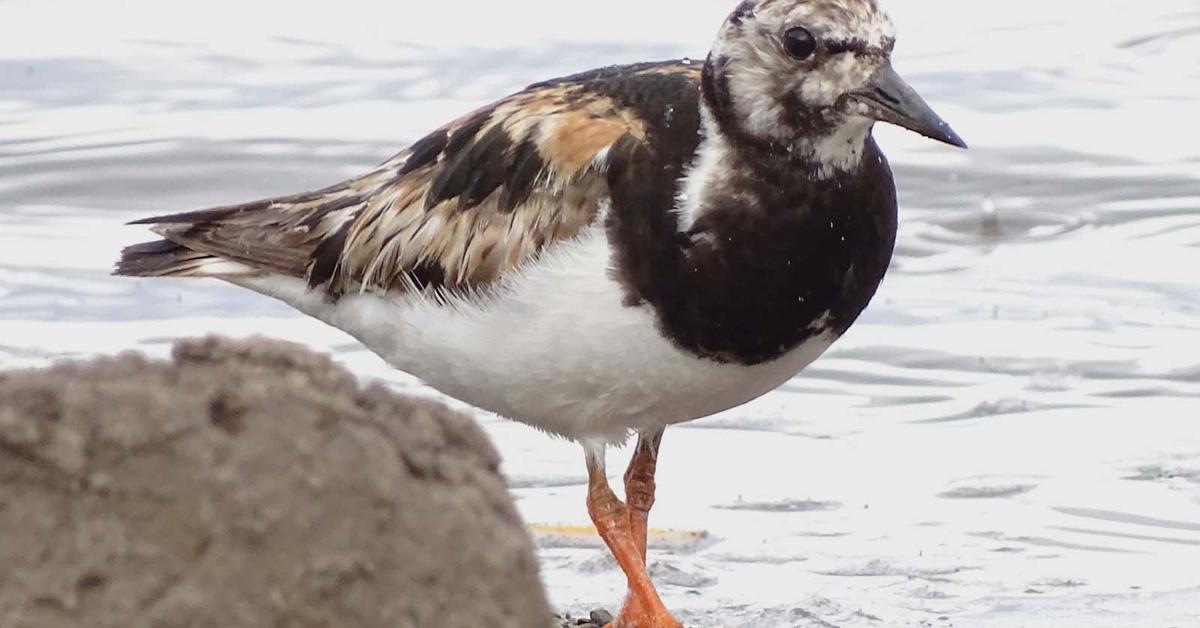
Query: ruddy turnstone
x=608 y=253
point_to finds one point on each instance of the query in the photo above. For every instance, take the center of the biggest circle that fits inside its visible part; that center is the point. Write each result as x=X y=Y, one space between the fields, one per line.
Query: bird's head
x=811 y=77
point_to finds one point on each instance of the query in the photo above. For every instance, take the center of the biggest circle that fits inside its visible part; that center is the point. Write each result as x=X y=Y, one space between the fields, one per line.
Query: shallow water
x=1010 y=435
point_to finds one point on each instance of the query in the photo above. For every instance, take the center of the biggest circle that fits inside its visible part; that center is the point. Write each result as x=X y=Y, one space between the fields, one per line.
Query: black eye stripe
x=858 y=47
x=842 y=46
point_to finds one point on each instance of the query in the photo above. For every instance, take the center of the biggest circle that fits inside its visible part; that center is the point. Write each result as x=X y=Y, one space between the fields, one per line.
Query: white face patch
x=800 y=103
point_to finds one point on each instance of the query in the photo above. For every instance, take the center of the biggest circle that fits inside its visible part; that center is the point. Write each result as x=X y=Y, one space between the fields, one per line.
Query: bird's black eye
x=799 y=43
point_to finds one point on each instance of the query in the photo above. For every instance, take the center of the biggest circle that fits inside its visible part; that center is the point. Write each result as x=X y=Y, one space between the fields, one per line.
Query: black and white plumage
x=611 y=252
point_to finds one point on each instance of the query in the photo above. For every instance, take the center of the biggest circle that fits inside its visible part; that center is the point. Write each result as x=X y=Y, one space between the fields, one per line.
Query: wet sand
x=1008 y=436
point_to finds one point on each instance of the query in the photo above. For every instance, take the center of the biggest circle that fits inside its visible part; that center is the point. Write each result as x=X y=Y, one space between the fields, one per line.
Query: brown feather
x=455 y=211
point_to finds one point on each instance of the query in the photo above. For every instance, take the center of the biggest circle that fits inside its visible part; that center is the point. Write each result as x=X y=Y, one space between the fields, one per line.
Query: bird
x=610 y=253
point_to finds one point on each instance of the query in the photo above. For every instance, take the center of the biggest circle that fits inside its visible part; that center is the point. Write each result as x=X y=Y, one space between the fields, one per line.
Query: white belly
x=552 y=345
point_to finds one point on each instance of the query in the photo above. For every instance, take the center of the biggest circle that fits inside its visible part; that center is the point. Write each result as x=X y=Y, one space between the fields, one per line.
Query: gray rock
x=249 y=484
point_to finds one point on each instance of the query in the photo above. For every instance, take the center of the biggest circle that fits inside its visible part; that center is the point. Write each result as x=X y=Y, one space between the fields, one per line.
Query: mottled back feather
x=454 y=211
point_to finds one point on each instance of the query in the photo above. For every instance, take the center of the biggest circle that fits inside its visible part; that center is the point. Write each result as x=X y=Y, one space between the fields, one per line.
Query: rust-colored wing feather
x=454 y=211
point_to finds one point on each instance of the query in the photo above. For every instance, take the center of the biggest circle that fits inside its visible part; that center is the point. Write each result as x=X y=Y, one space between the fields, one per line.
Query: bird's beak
x=890 y=99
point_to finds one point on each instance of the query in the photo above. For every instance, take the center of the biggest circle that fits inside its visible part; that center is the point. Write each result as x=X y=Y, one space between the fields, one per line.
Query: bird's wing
x=457 y=209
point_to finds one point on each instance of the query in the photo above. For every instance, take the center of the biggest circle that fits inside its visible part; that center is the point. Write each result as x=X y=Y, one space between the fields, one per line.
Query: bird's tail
x=180 y=253
x=288 y=235
x=267 y=236
x=164 y=258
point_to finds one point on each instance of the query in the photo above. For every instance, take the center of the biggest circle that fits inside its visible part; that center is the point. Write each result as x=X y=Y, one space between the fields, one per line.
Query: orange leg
x=639 y=486
x=643 y=607
x=639 y=493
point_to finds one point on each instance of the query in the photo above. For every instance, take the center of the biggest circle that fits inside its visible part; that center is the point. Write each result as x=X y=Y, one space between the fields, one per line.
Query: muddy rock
x=249 y=484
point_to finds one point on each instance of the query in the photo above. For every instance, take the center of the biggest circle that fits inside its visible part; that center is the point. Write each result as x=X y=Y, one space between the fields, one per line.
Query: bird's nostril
x=886 y=97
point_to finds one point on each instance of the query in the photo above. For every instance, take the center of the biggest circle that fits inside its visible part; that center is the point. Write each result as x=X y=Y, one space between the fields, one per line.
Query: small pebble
x=595 y=619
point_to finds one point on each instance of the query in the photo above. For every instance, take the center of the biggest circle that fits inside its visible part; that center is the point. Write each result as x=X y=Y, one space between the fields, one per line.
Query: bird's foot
x=634 y=615
x=623 y=528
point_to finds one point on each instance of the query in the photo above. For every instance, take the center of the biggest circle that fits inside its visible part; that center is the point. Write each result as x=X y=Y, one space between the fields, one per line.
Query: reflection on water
x=1025 y=386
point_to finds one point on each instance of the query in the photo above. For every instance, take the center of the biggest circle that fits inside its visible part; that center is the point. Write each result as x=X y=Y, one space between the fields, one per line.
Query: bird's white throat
x=840 y=151
x=832 y=154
